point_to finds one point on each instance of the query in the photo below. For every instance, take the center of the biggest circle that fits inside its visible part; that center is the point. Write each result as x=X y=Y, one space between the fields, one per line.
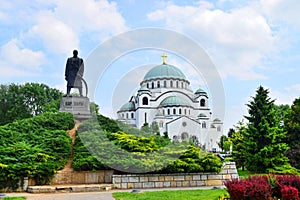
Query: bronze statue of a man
x=74 y=73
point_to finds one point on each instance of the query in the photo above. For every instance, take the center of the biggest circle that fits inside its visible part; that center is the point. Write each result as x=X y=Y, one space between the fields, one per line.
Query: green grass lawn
x=14 y=198
x=171 y=194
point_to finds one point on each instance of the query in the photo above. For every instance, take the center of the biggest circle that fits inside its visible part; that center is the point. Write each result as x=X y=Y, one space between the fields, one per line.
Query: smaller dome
x=143 y=88
x=217 y=120
x=200 y=91
x=128 y=106
x=202 y=115
x=174 y=101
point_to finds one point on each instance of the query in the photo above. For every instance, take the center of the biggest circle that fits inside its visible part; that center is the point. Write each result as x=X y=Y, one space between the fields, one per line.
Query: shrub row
x=284 y=187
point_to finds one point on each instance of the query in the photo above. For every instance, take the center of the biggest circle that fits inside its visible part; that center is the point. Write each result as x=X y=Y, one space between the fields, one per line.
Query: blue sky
x=251 y=43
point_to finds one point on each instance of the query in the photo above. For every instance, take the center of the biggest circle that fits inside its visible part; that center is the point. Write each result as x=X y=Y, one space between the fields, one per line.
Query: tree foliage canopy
x=263 y=144
x=24 y=101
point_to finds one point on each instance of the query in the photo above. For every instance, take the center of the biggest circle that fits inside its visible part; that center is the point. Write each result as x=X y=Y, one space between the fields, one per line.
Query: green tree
x=282 y=111
x=155 y=128
x=263 y=144
x=236 y=140
x=94 y=108
x=146 y=128
x=292 y=123
x=292 y=126
x=24 y=101
x=223 y=139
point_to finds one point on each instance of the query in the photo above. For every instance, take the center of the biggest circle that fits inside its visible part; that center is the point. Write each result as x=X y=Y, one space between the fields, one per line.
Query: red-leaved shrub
x=255 y=187
x=264 y=187
x=285 y=180
x=289 y=193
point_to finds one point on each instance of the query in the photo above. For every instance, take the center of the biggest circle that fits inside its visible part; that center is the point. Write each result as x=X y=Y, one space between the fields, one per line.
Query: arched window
x=184 y=136
x=126 y=115
x=185 y=111
x=152 y=85
x=202 y=102
x=168 y=111
x=203 y=124
x=174 y=111
x=163 y=112
x=145 y=101
x=147 y=85
x=171 y=83
x=177 y=84
x=179 y=111
x=132 y=115
x=181 y=84
x=219 y=128
x=165 y=84
x=158 y=84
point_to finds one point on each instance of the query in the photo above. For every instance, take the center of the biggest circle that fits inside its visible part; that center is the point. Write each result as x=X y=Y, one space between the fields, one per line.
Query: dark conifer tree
x=263 y=144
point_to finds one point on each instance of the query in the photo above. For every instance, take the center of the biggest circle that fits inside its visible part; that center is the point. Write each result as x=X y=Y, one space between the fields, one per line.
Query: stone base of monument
x=78 y=106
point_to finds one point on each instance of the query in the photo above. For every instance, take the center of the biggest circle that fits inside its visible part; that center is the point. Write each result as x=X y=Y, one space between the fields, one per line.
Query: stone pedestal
x=78 y=106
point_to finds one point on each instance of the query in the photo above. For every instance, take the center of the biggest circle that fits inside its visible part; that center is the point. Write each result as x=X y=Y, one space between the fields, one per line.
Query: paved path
x=66 y=196
x=93 y=195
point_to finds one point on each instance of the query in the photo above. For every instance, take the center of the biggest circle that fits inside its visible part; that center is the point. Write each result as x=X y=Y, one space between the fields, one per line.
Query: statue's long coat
x=74 y=71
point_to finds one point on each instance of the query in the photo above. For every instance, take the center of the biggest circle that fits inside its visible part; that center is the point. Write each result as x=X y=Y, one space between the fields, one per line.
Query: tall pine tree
x=263 y=144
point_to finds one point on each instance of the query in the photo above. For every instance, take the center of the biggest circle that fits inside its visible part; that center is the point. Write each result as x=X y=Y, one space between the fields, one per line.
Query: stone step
x=69 y=188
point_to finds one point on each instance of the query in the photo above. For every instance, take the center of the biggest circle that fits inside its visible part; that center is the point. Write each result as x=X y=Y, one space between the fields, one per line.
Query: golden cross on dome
x=164 y=56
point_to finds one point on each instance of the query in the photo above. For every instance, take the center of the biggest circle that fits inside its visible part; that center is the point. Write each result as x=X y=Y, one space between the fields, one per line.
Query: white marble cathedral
x=165 y=97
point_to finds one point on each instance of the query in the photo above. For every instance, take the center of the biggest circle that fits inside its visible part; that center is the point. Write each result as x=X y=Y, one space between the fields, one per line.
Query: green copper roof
x=200 y=91
x=164 y=71
x=128 y=106
x=174 y=101
x=202 y=115
x=143 y=88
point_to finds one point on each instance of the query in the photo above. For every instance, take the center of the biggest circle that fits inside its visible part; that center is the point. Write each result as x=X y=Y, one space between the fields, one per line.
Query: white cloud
x=90 y=15
x=237 y=40
x=57 y=36
x=17 y=61
x=62 y=27
x=286 y=11
x=287 y=95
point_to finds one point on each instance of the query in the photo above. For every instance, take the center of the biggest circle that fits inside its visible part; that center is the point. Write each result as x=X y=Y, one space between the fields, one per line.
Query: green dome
x=143 y=88
x=174 y=101
x=217 y=120
x=202 y=115
x=164 y=71
x=200 y=91
x=128 y=106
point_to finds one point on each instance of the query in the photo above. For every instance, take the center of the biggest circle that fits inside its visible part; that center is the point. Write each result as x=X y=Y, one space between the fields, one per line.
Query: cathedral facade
x=166 y=99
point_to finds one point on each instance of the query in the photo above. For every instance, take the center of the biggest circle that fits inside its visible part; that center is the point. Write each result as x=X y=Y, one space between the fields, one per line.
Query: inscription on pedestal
x=78 y=106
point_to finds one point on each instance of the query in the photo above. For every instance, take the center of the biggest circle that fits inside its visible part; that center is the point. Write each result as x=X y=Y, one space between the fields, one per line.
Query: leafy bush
x=136 y=151
x=289 y=193
x=264 y=187
x=35 y=147
x=294 y=155
x=284 y=180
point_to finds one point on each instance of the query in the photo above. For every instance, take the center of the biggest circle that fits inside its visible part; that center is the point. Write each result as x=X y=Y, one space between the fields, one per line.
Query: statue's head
x=75 y=53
